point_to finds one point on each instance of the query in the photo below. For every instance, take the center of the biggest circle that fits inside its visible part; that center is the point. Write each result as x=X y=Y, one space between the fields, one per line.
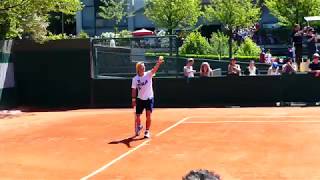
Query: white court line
x=266 y=121
x=114 y=161
x=131 y=151
x=176 y=124
x=249 y=116
x=184 y=121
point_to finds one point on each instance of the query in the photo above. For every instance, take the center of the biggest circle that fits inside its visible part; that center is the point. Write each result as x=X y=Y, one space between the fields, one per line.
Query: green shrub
x=125 y=34
x=220 y=45
x=216 y=57
x=195 y=44
x=53 y=37
x=83 y=35
x=248 y=48
x=207 y=56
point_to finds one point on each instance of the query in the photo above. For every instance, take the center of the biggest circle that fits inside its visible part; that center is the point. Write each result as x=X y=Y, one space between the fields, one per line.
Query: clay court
x=236 y=143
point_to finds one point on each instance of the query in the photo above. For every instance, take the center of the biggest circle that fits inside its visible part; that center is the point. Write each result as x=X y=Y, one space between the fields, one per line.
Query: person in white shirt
x=274 y=69
x=188 y=69
x=251 y=70
x=112 y=43
x=142 y=95
x=205 y=70
x=268 y=57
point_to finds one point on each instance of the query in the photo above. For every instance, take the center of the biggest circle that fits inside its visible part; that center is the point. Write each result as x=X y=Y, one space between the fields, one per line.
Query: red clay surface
x=237 y=143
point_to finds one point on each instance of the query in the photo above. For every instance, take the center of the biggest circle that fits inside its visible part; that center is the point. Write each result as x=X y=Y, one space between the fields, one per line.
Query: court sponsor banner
x=6 y=67
x=7 y=82
x=6 y=75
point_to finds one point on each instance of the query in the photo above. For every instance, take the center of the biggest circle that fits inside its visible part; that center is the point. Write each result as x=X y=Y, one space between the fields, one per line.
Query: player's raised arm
x=156 y=67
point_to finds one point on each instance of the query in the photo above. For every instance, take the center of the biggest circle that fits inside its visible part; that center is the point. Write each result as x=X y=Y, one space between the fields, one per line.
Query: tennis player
x=142 y=83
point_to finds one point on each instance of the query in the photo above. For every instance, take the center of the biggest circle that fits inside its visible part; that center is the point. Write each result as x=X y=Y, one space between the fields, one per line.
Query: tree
x=20 y=17
x=113 y=10
x=290 y=12
x=173 y=14
x=233 y=15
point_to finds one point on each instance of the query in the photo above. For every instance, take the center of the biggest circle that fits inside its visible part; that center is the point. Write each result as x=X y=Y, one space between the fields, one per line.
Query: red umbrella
x=142 y=32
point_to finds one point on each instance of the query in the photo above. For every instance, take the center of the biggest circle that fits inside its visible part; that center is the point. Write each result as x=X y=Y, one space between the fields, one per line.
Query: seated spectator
x=251 y=70
x=268 y=57
x=201 y=175
x=315 y=65
x=304 y=65
x=288 y=67
x=262 y=58
x=234 y=68
x=276 y=59
x=274 y=69
x=205 y=70
x=188 y=69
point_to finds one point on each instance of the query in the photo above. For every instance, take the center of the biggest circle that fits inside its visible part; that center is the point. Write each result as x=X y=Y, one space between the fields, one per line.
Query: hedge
x=214 y=57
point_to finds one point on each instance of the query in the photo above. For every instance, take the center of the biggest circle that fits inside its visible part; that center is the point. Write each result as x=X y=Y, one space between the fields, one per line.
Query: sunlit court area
x=159 y=89
x=235 y=143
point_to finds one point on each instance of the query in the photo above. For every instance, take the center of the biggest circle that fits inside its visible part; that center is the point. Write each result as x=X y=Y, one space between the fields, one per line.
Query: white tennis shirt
x=144 y=85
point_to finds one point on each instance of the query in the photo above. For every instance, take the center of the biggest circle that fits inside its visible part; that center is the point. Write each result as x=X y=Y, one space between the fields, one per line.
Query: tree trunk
x=170 y=41
x=62 y=23
x=230 y=44
x=115 y=28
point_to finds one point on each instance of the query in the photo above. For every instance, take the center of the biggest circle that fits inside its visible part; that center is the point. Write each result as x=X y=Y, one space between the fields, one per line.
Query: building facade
x=90 y=22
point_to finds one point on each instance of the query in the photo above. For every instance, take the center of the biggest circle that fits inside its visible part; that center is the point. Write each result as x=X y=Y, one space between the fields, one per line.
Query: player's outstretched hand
x=160 y=60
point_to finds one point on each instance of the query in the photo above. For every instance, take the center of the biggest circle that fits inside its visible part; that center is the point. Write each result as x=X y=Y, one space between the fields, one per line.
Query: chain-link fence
x=116 y=58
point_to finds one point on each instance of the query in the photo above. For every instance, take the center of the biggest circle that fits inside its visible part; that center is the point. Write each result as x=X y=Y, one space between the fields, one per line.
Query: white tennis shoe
x=147 y=134
x=138 y=130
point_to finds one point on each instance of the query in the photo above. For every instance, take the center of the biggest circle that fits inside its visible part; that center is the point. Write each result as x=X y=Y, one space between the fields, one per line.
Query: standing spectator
x=112 y=43
x=234 y=68
x=315 y=66
x=268 y=57
x=311 y=42
x=188 y=69
x=288 y=68
x=262 y=58
x=205 y=70
x=297 y=37
x=251 y=70
x=274 y=69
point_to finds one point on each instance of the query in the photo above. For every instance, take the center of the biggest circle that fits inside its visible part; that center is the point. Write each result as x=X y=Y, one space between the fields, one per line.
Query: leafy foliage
x=233 y=15
x=195 y=44
x=83 y=35
x=248 y=48
x=18 y=16
x=219 y=44
x=113 y=10
x=125 y=34
x=290 y=12
x=173 y=14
